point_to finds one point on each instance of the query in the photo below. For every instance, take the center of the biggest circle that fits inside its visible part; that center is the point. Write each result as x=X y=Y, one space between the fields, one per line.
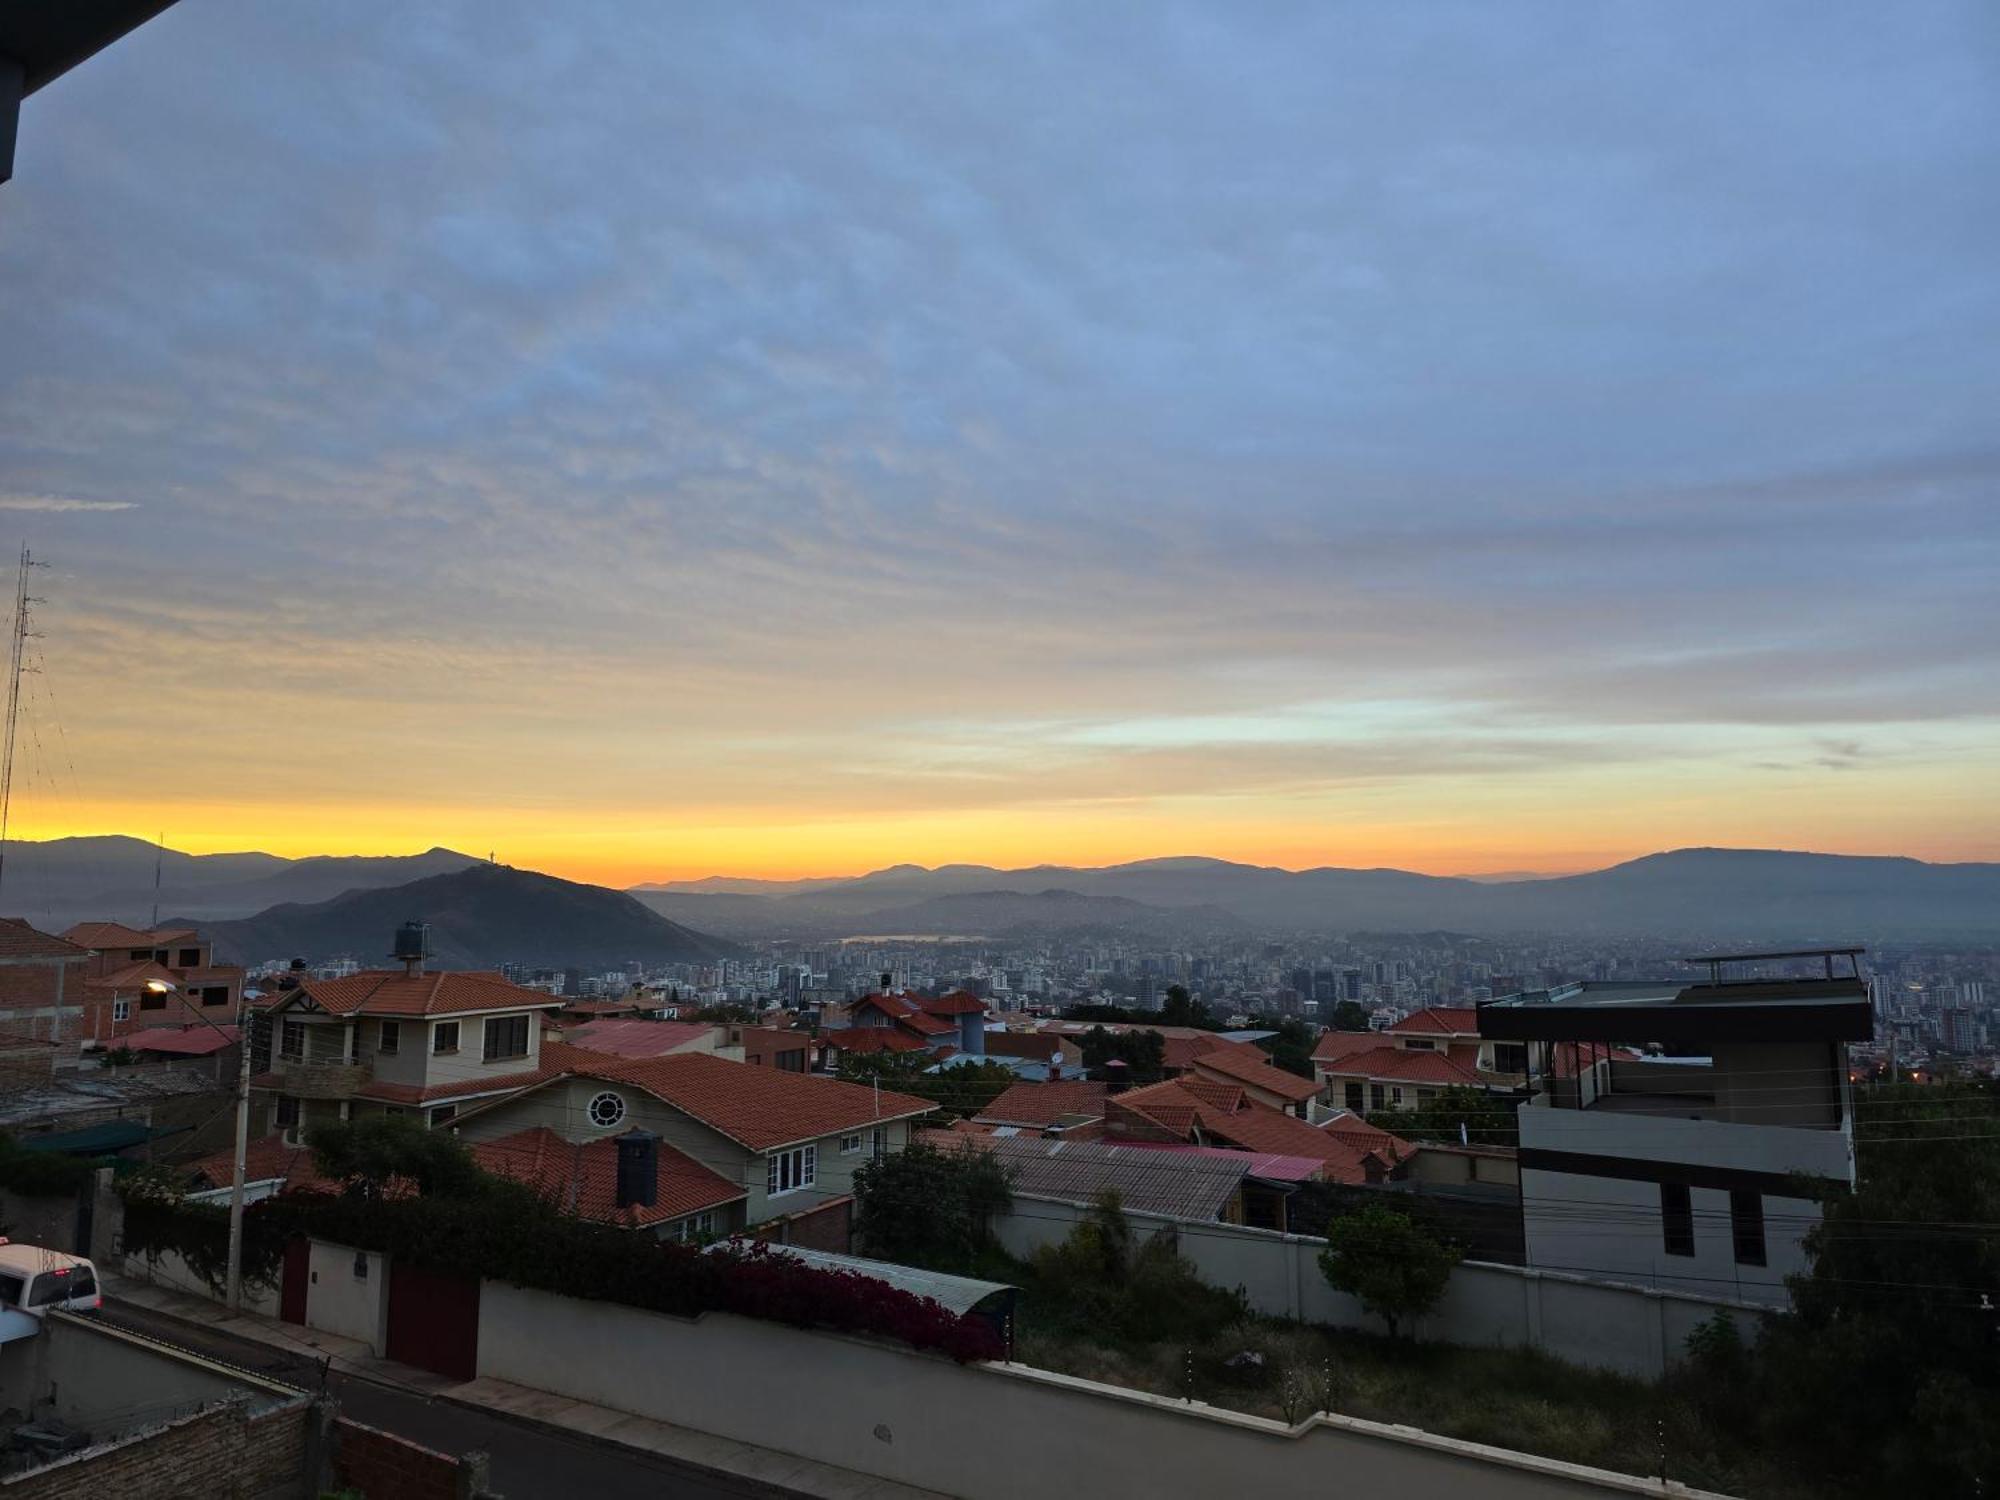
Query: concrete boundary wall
x=919 y=1419
x=1635 y=1330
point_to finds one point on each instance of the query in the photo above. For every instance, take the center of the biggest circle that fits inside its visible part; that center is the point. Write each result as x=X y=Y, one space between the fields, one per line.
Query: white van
x=33 y=1280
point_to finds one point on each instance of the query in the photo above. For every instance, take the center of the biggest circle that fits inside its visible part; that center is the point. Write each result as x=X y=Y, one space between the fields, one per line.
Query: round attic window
x=606 y=1110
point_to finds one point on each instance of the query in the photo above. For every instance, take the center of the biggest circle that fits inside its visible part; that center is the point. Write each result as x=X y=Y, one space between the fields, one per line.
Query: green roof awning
x=99 y=1140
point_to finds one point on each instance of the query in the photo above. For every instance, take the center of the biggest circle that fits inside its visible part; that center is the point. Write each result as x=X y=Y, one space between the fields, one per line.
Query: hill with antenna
x=479 y=917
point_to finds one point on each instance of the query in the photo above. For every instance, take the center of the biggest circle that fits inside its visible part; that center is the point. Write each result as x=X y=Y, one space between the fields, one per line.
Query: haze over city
x=668 y=444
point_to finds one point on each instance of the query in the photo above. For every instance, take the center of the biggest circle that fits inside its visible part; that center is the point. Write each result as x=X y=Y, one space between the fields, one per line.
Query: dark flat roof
x=49 y=37
x=1782 y=1010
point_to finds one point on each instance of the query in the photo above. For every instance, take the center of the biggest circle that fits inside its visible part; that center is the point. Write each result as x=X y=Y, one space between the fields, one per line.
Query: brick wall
x=383 y=1466
x=220 y=1453
x=29 y=987
x=829 y=1226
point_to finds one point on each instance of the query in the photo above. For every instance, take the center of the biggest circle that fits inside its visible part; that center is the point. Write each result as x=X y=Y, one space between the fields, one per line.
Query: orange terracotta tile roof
x=759 y=1108
x=20 y=940
x=863 y=1040
x=1042 y=1104
x=266 y=1159
x=1439 y=1020
x=181 y=1041
x=622 y=1038
x=1183 y=1109
x=391 y=992
x=583 y=1179
x=133 y=976
x=103 y=935
x=953 y=1003
x=1258 y=1072
x=1036 y=1046
x=1388 y=1063
x=905 y=1013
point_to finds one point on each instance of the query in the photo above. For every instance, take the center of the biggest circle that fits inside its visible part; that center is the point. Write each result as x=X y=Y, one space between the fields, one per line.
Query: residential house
x=392 y=1041
x=771 y=1047
x=41 y=986
x=141 y=978
x=633 y=1181
x=898 y=1014
x=1072 y=1108
x=1406 y=1065
x=1206 y=1112
x=1263 y=1080
x=790 y=1141
x=1701 y=1169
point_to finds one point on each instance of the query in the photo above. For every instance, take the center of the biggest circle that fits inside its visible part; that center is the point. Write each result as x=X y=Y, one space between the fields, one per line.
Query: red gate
x=434 y=1321
x=298 y=1272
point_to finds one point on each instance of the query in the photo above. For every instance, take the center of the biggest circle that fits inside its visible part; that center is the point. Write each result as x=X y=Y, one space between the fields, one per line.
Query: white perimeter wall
x=922 y=1420
x=1632 y=1329
x=338 y=1301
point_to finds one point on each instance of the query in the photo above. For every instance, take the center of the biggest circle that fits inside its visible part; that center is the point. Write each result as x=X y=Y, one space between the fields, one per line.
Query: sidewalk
x=778 y=1473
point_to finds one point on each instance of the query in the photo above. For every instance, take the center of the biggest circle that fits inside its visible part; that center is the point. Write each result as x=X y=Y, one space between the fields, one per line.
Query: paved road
x=529 y=1462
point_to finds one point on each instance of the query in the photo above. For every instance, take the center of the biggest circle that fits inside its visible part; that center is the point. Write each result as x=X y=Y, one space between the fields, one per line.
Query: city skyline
x=692 y=445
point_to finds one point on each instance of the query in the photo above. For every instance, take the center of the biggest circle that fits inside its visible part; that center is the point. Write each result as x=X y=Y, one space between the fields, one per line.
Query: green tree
x=1144 y=1054
x=1291 y=1048
x=370 y=1153
x=1397 y=1269
x=1181 y=1010
x=1887 y=1375
x=1349 y=1016
x=962 y=1088
x=1489 y=1119
x=926 y=1206
x=1108 y=1282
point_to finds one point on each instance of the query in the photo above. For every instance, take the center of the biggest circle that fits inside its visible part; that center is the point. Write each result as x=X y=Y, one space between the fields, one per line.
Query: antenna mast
x=22 y=634
x=159 y=846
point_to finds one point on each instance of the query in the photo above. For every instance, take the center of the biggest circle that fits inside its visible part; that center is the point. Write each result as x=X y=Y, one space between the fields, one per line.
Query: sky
x=774 y=439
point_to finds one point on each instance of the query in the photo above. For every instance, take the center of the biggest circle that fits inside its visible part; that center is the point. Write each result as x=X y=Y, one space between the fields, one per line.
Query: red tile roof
x=1042 y=1104
x=759 y=1108
x=19 y=940
x=904 y=1011
x=181 y=1041
x=103 y=935
x=1258 y=1072
x=583 y=1178
x=863 y=1040
x=133 y=976
x=1439 y=1020
x=264 y=1160
x=391 y=992
x=954 y=1003
x=1387 y=1063
x=1040 y=1046
x=637 y=1038
x=1186 y=1110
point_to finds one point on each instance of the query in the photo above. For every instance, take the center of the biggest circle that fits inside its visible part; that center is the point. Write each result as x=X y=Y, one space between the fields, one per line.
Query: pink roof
x=181 y=1041
x=625 y=1038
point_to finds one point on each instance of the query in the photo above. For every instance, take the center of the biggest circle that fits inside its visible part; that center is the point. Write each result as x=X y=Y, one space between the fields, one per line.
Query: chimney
x=638 y=1168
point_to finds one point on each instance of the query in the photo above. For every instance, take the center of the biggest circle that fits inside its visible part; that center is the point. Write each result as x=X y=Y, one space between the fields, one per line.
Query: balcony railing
x=329 y=1079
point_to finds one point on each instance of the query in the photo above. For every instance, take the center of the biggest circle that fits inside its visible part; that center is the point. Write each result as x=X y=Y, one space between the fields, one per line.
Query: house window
x=292 y=1041
x=850 y=1145
x=142 y=955
x=879 y=1145
x=788 y=1171
x=1746 y=1224
x=1419 y=1044
x=506 y=1036
x=121 y=1010
x=699 y=1226
x=442 y=1113
x=389 y=1038
x=444 y=1037
x=215 y=994
x=286 y=1116
x=1676 y=1218
x=1510 y=1057
x=190 y=959
x=1353 y=1096
x=792 y=1062
x=1375 y=1096
x=605 y=1110
x=152 y=999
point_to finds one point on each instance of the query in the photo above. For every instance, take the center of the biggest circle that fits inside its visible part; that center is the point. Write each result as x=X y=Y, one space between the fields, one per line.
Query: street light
x=233 y=1291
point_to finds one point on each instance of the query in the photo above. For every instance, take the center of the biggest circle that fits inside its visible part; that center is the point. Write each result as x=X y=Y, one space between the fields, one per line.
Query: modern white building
x=1682 y=1135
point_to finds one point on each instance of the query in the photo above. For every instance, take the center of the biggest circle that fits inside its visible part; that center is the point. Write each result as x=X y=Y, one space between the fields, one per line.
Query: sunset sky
x=658 y=440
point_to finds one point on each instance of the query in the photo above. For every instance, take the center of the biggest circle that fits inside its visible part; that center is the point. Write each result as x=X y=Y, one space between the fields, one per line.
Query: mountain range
x=60 y=881
x=479 y=917
x=1727 y=895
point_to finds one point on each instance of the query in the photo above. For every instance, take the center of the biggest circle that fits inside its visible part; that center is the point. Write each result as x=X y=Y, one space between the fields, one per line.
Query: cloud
x=61 y=503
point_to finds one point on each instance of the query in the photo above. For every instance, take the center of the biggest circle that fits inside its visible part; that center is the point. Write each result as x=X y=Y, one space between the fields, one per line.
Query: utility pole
x=22 y=604
x=244 y=1031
